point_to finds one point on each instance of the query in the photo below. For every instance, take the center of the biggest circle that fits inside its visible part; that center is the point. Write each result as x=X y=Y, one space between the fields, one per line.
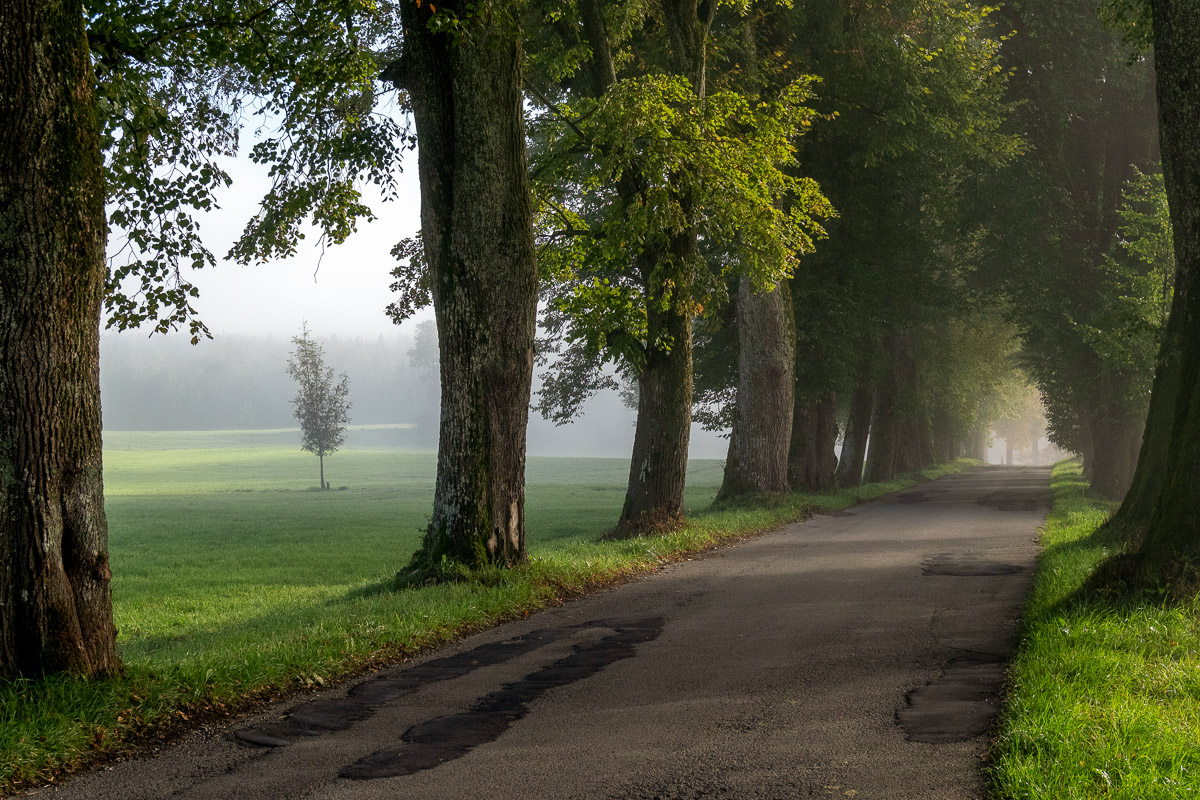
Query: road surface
x=859 y=654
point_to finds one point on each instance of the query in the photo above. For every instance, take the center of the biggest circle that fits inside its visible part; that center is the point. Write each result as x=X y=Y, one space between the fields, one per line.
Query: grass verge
x=1105 y=691
x=208 y=660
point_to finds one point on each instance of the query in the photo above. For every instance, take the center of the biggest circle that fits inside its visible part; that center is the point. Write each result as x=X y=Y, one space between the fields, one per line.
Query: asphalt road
x=859 y=654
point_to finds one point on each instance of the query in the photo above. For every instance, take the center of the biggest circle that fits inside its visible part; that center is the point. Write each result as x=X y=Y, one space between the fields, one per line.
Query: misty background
x=238 y=382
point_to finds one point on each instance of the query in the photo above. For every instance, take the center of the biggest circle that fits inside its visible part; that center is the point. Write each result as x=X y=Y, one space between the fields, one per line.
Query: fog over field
x=237 y=382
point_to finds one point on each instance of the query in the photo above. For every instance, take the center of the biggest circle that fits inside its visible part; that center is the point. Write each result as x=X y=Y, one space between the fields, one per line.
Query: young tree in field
x=321 y=405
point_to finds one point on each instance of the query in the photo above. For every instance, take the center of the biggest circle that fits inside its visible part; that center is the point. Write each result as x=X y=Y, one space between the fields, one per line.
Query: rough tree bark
x=854 y=443
x=477 y=230
x=658 y=467
x=55 y=601
x=1170 y=544
x=762 y=427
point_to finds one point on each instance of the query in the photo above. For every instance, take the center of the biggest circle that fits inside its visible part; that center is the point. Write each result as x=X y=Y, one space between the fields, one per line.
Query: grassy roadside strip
x=1104 y=698
x=57 y=726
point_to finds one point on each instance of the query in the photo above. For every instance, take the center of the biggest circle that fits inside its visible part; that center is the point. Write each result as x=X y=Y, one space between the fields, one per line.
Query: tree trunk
x=854 y=444
x=55 y=601
x=1087 y=450
x=812 y=464
x=943 y=437
x=1137 y=509
x=1172 y=540
x=1114 y=451
x=978 y=444
x=762 y=429
x=658 y=468
x=321 y=459
x=477 y=230
x=885 y=421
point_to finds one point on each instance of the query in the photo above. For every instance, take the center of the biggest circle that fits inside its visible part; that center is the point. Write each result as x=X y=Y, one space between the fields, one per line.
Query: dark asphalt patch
x=339 y=713
x=428 y=744
x=966 y=566
x=959 y=705
x=1031 y=499
x=919 y=496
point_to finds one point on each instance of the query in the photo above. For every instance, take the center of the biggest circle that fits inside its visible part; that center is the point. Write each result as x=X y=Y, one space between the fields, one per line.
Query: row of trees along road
x=786 y=215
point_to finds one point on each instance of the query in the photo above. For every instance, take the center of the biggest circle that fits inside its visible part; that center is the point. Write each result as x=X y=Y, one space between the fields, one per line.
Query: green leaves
x=177 y=80
x=621 y=175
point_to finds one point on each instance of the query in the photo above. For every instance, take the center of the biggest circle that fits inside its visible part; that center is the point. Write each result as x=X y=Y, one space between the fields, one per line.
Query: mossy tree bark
x=55 y=601
x=762 y=427
x=1170 y=546
x=477 y=230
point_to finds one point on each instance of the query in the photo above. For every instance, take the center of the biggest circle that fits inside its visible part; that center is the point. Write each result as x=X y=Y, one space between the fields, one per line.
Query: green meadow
x=206 y=540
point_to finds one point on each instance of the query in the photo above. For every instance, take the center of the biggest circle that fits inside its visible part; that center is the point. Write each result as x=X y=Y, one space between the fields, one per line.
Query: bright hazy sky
x=351 y=288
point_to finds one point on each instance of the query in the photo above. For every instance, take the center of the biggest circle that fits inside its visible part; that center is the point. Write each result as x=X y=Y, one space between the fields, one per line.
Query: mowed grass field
x=208 y=542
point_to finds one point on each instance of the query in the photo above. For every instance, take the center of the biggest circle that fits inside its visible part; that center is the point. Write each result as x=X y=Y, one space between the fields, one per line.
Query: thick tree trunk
x=812 y=462
x=321 y=459
x=914 y=450
x=1137 y=510
x=854 y=444
x=658 y=468
x=1172 y=541
x=55 y=601
x=762 y=429
x=477 y=229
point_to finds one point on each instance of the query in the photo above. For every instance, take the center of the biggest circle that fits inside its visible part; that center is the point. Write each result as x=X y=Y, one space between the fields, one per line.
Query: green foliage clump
x=177 y=81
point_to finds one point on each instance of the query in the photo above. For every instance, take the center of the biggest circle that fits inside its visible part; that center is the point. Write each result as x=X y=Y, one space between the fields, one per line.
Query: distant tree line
x=236 y=381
